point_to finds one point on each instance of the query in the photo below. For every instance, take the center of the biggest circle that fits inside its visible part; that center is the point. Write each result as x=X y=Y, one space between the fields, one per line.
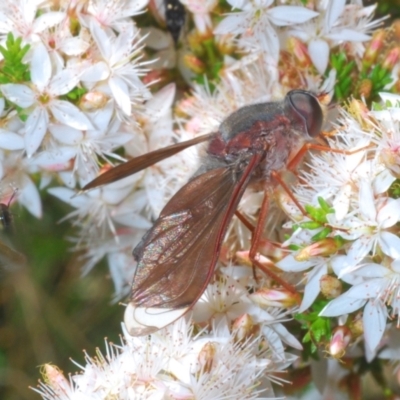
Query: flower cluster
x=84 y=88
x=360 y=243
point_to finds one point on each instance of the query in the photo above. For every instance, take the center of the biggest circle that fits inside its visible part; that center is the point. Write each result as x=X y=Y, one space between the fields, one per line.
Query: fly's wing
x=139 y=163
x=176 y=258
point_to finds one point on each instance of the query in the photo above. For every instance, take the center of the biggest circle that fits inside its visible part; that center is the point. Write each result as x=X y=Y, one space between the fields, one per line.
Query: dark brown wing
x=176 y=258
x=139 y=163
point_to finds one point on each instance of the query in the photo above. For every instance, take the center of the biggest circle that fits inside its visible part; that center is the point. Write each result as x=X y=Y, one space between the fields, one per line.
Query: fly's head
x=305 y=113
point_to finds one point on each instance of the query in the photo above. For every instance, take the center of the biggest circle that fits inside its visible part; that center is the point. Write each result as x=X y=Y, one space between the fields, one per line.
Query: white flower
x=370 y=228
x=118 y=67
x=227 y=299
x=84 y=148
x=118 y=253
x=374 y=288
x=255 y=24
x=16 y=171
x=162 y=180
x=201 y=10
x=388 y=141
x=114 y=14
x=99 y=205
x=173 y=364
x=319 y=268
x=43 y=99
x=20 y=18
x=332 y=175
x=332 y=27
x=60 y=43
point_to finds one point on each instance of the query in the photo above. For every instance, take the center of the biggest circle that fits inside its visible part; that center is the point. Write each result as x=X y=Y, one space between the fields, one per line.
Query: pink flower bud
x=55 y=378
x=375 y=45
x=243 y=327
x=206 y=356
x=93 y=101
x=300 y=52
x=265 y=297
x=341 y=338
x=391 y=59
x=324 y=247
x=194 y=63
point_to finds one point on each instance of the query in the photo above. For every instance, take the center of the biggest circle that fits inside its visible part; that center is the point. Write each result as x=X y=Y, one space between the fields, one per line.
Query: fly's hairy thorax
x=275 y=139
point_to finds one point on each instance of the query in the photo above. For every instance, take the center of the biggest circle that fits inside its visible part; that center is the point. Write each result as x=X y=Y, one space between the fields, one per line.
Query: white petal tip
x=141 y=321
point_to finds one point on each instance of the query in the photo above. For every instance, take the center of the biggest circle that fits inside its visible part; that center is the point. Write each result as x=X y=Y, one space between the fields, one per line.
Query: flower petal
x=366 y=200
x=286 y=336
x=359 y=249
x=68 y=196
x=55 y=159
x=342 y=305
x=63 y=82
x=289 y=263
x=47 y=20
x=390 y=244
x=120 y=92
x=21 y=95
x=374 y=321
x=29 y=197
x=74 y=46
x=313 y=286
x=70 y=115
x=142 y=321
x=102 y=39
x=11 y=140
x=383 y=181
x=96 y=72
x=289 y=15
x=234 y=24
x=389 y=214
x=35 y=129
x=162 y=101
x=367 y=290
x=319 y=53
x=349 y=35
x=333 y=12
x=40 y=67
x=66 y=134
x=341 y=202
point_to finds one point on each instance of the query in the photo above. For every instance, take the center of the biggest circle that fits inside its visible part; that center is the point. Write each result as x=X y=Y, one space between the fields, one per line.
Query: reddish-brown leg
x=255 y=240
x=244 y=221
x=312 y=146
x=258 y=229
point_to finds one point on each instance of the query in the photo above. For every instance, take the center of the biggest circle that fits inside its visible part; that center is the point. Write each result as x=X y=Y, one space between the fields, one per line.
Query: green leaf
x=322 y=234
x=12 y=68
x=310 y=225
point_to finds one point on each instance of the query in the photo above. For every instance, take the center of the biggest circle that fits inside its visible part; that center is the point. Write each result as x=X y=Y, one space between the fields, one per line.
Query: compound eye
x=306 y=107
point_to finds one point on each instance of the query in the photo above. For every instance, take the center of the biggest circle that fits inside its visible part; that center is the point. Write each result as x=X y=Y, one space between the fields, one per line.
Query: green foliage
x=49 y=312
x=394 y=190
x=75 y=94
x=344 y=78
x=319 y=213
x=378 y=76
x=318 y=328
x=208 y=53
x=351 y=82
x=12 y=68
x=318 y=217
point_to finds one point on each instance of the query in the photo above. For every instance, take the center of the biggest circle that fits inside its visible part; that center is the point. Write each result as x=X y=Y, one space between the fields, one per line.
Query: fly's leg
x=255 y=241
x=294 y=162
x=267 y=267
